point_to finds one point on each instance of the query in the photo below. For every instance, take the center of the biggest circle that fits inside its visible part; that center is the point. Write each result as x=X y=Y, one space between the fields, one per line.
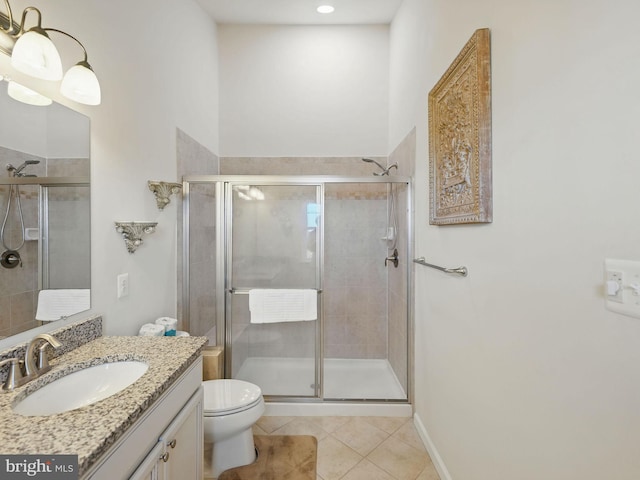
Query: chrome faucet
x=31 y=369
x=14 y=374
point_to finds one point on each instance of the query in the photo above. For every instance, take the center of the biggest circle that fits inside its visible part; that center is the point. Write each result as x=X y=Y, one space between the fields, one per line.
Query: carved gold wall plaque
x=460 y=138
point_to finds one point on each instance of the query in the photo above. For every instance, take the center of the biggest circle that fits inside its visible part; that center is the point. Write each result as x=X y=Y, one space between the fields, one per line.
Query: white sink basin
x=81 y=388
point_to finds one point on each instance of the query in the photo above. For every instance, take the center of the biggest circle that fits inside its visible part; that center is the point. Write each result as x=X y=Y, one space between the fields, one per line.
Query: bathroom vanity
x=151 y=429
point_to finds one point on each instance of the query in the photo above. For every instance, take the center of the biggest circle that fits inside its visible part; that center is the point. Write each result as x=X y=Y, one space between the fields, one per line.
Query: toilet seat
x=228 y=396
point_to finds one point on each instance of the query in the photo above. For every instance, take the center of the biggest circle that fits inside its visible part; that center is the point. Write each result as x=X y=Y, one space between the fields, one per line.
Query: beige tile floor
x=359 y=448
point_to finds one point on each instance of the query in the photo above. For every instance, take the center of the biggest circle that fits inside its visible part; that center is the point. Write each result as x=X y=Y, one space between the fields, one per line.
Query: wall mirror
x=45 y=229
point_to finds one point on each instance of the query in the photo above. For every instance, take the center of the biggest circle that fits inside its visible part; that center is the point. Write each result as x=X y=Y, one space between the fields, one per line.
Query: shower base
x=345 y=381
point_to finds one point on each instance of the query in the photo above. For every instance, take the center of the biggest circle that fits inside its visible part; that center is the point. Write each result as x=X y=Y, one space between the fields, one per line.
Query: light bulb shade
x=325 y=9
x=35 y=54
x=26 y=95
x=81 y=85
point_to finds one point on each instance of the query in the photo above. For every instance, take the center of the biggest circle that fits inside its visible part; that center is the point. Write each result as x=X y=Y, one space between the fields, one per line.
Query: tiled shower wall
x=355 y=281
x=19 y=286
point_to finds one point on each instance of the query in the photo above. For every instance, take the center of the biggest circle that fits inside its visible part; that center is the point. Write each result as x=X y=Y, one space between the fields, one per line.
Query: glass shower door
x=66 y=229
x=274 y=237
x=201 y=307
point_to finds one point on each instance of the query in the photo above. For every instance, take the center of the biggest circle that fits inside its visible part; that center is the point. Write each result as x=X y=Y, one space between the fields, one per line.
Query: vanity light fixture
x=32 y=52
x=26 y=95
x=132 y=232
x=325 y=9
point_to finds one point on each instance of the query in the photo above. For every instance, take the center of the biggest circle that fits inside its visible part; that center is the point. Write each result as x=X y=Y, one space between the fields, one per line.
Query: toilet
x=231 y=407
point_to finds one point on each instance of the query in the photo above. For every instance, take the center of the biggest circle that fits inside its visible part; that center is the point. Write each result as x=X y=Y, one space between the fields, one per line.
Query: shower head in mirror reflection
x=385 y=170
x=11 y=257
x=17 y=171
x=33 y=53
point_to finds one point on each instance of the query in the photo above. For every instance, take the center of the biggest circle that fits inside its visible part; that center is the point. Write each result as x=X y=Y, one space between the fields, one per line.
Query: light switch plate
x=614 y=280
x=123 y=285
x=627 y=300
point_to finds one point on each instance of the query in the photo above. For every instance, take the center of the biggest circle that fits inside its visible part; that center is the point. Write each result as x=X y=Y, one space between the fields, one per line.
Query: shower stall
x=345 y=239
x=45 y=244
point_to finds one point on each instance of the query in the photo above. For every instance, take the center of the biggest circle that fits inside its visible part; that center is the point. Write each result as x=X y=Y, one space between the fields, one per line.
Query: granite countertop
x=91 y=430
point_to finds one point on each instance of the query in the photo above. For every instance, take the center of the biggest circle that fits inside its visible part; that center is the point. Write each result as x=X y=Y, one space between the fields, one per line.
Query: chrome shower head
x=385 y=170
x=371 y=160
x=16 y=171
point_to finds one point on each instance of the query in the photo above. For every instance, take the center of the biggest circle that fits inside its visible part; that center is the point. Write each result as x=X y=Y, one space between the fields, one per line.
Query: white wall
x=22 y=127
x=157 y=65
x=54 y=131
x=521 y=373
x=68 y=133
x=303 y=90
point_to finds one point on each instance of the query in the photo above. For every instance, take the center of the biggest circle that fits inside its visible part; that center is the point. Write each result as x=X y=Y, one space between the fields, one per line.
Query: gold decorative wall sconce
x=132 y=232
x=163 y=192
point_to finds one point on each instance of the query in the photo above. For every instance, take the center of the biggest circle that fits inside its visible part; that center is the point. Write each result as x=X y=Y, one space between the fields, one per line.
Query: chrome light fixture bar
x=32 y=52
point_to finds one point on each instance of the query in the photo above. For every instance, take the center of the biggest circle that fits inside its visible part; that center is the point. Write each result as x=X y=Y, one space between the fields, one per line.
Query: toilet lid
x=228 y=396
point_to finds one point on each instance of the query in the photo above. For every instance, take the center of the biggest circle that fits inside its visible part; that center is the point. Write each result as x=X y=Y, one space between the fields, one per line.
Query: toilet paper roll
x=151 y=330
x=169 y=324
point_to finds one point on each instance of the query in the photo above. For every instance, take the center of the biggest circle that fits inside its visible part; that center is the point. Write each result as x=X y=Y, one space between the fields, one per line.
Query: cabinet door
x=148 y=469
x=183 y=443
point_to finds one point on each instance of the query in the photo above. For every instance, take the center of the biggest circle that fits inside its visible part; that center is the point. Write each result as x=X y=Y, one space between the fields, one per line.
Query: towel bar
x=462 y=271
x=245 y=291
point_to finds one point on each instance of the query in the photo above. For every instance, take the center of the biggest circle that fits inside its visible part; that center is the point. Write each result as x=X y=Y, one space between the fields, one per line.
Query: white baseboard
x=431 y=449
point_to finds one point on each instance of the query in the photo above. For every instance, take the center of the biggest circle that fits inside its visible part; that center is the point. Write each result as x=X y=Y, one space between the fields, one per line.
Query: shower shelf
x=462 y=271
x=132 y=233
x=163 y=192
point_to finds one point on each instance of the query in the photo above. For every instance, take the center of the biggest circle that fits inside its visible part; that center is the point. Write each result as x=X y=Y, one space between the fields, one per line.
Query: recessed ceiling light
x=325 y=9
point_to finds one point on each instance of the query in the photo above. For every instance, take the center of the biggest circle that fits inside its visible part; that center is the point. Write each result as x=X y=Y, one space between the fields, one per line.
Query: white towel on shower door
x=282 y=305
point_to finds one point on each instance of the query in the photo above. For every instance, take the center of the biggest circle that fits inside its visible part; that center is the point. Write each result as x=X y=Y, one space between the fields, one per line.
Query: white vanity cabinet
x=178 y=453
x=149 y=468
x=167 y=442
x=184 y=442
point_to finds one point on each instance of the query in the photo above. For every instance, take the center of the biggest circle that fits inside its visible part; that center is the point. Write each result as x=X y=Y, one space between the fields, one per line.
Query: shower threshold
x=344 y=379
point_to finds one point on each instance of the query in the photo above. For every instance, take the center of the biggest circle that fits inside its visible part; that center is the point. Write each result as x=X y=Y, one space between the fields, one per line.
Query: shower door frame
x=229 y=290
x=224 y=227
